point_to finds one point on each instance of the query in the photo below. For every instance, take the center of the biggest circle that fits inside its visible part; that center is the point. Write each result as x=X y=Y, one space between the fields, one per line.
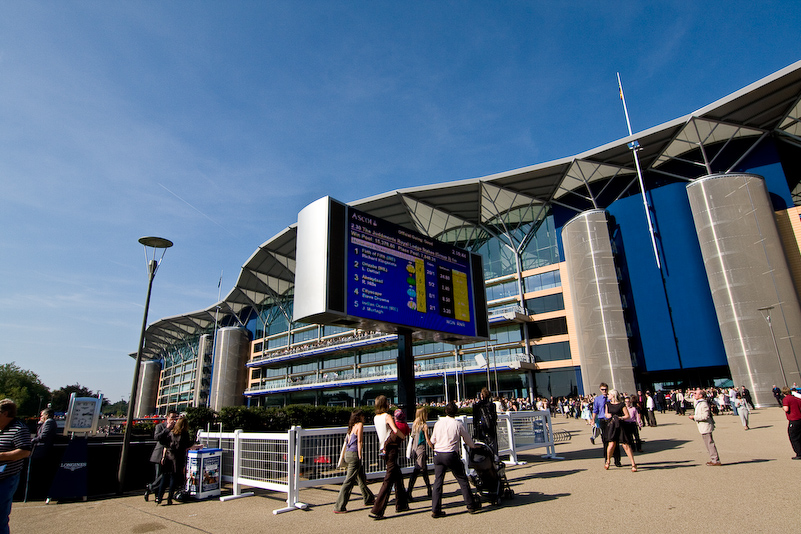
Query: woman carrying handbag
x=352 y=452
x=390 y=437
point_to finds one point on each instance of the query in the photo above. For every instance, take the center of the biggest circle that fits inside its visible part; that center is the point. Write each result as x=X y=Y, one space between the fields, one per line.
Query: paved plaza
x=673 y=491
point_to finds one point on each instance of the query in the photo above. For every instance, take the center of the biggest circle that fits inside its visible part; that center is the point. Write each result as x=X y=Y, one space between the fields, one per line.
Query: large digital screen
x=402 y=277
x=355 y=269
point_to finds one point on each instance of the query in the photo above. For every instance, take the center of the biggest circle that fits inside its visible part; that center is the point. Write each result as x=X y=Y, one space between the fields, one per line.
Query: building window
x=548 y=327
x=546 y=304
x=309 y=334
x=507 y=334
x=538 y=282
x=276 y=342
x=551 y=352
x=502 y=291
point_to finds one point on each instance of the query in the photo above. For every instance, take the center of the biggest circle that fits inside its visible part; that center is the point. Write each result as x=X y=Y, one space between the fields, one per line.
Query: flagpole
x=634 y=146
x=214 y=338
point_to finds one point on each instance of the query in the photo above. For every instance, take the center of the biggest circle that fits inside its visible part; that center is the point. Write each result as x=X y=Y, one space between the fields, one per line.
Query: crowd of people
x=616 y=418
x=444 y=439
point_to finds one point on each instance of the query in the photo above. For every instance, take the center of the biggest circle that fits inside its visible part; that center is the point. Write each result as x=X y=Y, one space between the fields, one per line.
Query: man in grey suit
x=158 y=451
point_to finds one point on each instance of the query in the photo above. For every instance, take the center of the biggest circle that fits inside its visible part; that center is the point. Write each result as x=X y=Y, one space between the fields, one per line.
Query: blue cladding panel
x=694 y=318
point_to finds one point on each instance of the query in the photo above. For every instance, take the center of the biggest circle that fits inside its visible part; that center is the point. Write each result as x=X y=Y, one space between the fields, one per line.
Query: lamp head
x=155 y=242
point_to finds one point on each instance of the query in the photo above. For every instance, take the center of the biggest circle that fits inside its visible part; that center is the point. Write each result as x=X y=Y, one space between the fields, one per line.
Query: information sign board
x=356 y=269
x=401 y=277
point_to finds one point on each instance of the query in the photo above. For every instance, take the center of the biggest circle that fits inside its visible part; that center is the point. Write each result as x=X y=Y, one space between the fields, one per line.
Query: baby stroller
x=488 y=474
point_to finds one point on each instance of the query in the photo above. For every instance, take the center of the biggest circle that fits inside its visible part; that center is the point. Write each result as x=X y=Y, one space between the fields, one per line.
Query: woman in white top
x=389 y=438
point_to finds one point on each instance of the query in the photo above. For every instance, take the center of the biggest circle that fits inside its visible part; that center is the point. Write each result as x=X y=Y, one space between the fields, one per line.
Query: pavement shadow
x=458 y=508
x=525 y=498
x=556 y=474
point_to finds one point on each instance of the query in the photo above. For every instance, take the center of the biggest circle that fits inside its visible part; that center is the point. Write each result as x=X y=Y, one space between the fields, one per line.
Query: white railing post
x=237 y=459
x=236 y=468
x=463 y=450
x=549 y=434
x=550 y=444
x=510 y=430
x=298 y=446
x=293 y=472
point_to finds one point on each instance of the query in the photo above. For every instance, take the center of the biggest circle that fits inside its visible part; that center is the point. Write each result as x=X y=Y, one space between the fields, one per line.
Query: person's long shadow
x=655 y=466
x=754 y=461
x=649 y=446
x=660 y=445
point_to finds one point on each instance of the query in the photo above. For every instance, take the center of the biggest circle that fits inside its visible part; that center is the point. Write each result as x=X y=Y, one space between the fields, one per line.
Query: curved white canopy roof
x=712 y=139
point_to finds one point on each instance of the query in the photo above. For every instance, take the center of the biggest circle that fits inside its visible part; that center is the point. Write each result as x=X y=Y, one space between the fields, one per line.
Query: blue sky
x=213 y=123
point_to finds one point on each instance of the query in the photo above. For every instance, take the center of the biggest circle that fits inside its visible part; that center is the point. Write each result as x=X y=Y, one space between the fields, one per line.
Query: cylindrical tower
x=229 y=374
x=749 y=279
x=203 y=370
x=148 y=389
x=598 y=310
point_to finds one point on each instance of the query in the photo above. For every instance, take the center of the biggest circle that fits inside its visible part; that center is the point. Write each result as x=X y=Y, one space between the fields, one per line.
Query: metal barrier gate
x=302 y=458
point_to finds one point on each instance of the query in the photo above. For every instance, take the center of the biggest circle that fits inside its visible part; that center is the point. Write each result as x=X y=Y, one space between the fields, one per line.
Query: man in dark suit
x=43 y=465
x=158 y=451
x=45 y=433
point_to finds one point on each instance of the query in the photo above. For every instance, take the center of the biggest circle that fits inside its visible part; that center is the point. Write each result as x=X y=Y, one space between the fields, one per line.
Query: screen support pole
x=407 y=400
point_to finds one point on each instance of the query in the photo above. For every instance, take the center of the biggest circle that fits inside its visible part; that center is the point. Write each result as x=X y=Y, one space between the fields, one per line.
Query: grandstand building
x=578 y=290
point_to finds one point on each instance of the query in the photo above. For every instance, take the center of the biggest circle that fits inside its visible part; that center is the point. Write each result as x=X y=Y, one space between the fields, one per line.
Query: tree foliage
x=119 y=408
x=61 y=396
x=24 y=388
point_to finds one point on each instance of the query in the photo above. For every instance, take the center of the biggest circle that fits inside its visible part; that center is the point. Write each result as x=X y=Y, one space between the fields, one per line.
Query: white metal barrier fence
x=301 y=458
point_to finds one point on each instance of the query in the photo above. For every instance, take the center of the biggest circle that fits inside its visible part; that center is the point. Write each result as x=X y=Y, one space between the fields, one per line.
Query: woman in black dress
x=616 y=431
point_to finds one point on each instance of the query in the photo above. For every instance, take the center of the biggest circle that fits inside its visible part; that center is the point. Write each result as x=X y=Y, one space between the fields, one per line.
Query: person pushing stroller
x=485 y=421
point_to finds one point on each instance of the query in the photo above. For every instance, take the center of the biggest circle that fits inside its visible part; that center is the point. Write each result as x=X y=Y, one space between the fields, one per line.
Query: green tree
x=24 y=388
x=61 y=396
x=119 y=408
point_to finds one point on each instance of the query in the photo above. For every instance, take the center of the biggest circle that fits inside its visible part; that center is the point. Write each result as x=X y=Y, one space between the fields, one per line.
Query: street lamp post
x=766 y=314
x=155 y=243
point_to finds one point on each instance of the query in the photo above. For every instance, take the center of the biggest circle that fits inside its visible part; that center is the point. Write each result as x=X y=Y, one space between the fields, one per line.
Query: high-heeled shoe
x=606 y=465
x=634 y=468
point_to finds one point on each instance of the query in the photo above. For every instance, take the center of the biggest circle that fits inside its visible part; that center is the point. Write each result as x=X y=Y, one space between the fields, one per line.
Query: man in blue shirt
x=599 y=415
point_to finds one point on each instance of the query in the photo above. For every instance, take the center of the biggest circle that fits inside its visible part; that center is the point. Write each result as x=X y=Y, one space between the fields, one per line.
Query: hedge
x=260 y=419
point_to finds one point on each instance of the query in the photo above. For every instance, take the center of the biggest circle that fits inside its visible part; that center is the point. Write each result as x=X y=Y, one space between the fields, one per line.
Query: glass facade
x=619 y=305
x=178 y=377
x=284 y=367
